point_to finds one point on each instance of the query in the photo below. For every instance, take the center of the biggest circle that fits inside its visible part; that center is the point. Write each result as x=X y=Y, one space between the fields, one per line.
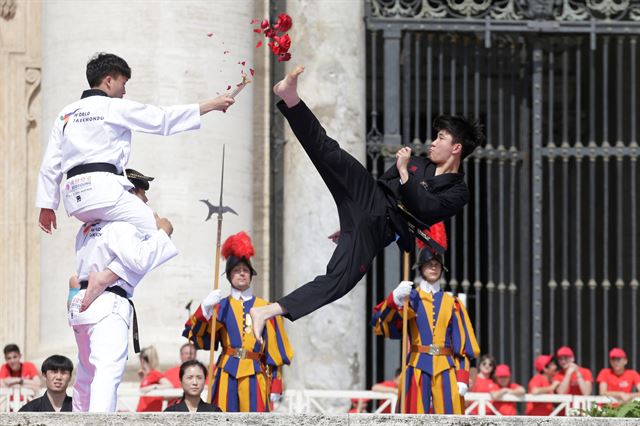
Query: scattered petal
x=284 y=23
x=228 y=87
x=243 y=62
x=259 y=44
x=225 y=52
x=257 y=30
x=264 y=24
x=254 y=21
x=209 y=34
x=251 y=71
x=284 y=57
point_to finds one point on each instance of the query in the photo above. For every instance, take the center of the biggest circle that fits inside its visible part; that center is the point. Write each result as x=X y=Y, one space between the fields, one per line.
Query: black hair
x=468 y=133
x=11 y=347
x=191 y=363
x=57 y=362
x=398 y=371
x=104 y=64
x=487 y=357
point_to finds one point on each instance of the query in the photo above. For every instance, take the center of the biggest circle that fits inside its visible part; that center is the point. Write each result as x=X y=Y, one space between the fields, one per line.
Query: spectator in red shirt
x=483 y=381
x=542 y=383
x=187 y=353
x=574 y=380
x=152 y=380
x=503 y=379
x=617 y=381
x=17 y=373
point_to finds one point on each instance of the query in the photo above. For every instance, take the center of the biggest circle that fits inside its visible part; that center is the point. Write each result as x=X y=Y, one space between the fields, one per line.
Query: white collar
x=428 y=287
x=244 y=295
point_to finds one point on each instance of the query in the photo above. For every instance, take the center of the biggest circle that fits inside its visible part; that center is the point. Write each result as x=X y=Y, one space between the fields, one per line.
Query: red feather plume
x=238 y=245
x=436 y=232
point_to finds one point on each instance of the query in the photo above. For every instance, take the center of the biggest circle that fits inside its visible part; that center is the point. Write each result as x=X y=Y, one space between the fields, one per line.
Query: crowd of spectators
x=555 y=374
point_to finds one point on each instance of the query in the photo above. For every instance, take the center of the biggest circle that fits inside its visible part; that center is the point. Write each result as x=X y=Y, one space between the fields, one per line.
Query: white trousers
x=102 y=356
x=129 y=208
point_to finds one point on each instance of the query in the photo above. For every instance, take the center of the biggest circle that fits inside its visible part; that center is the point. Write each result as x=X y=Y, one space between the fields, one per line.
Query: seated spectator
x=503 y=379
x=192 y=379
x=152 y=380
x=358 y=405
x=484 y=380
x=187 y=353
x=573 y=379
x=617 y=381
x=542 y=383
x=16 y=373
x=388 y=386
x=57 y=371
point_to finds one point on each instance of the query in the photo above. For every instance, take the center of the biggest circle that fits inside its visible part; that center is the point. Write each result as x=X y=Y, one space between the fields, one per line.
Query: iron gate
x=551 y=228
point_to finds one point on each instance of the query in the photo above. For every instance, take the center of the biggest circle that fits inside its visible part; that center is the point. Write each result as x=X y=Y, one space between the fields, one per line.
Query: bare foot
x=98 y=281
x=287 y=88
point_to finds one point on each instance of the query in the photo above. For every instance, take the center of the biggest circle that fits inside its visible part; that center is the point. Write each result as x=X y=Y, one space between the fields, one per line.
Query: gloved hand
x=209 y=302
x=275 y=397
x=462 y=388
x=402 y=292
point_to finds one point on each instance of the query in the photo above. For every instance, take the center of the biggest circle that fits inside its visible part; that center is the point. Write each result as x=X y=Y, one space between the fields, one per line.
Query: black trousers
x=365 y=228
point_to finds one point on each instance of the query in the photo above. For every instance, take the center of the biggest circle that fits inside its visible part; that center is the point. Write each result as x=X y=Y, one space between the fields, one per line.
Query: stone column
x=19 y=152
x=328 y=38
x=173 y=61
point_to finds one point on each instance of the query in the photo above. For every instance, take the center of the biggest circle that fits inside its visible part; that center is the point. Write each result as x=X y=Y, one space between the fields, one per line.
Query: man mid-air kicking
x=373 y=213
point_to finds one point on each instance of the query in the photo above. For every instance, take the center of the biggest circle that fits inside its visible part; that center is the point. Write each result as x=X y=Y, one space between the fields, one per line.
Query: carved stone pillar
x=330 y=343
x=19 y=155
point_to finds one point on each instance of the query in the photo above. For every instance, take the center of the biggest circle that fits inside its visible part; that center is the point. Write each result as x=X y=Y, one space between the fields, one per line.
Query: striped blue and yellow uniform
x=439 y=319
x=240 y=384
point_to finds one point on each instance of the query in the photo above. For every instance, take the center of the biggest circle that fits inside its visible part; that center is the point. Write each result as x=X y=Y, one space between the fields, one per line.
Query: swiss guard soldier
x=247 y=372
x=440 y=333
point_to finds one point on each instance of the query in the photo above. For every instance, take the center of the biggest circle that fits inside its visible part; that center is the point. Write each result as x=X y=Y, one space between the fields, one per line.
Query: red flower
x=264 y=24
x=284 y=42
x=284 y=57
x=259 y=44
x=284 y=23
x=270 y=33
x=251 y=71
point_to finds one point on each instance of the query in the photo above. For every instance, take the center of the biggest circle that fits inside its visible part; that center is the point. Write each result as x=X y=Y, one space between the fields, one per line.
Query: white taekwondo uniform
x=97 y=129
x=101 y=331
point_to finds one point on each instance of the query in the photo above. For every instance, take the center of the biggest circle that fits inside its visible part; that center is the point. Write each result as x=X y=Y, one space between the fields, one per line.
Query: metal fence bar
x=512 y=206
x=536 y=200
x=477 y=284
x=592 y=206
x=453 y=282
x=429 y=86
x=406 y=87
x=501 y=204
x=440 y=76
x=465 y=166
x=488 y=221
x=417 y=92
x=564 y=283
x=606 y=284
x=619 y=187
x=551 y=284
x=579 y=285
x=633 y=143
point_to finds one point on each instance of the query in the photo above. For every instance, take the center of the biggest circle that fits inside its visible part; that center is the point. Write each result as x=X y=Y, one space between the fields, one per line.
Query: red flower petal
x=264 y=24
x=257 y=30
x=283 y=57
x=259 y=44
x=251 y=71
x=209 y=34
x=228 y=87
x=284 y=23
x=254 y=21
x=270 y=33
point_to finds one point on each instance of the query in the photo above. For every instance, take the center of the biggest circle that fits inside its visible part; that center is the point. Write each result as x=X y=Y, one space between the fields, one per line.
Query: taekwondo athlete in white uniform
x=91 y=142
x=101 y=331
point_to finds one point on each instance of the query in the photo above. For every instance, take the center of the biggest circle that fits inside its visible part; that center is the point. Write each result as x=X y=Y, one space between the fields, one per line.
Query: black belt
x=122 y=293
x=92 y=167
